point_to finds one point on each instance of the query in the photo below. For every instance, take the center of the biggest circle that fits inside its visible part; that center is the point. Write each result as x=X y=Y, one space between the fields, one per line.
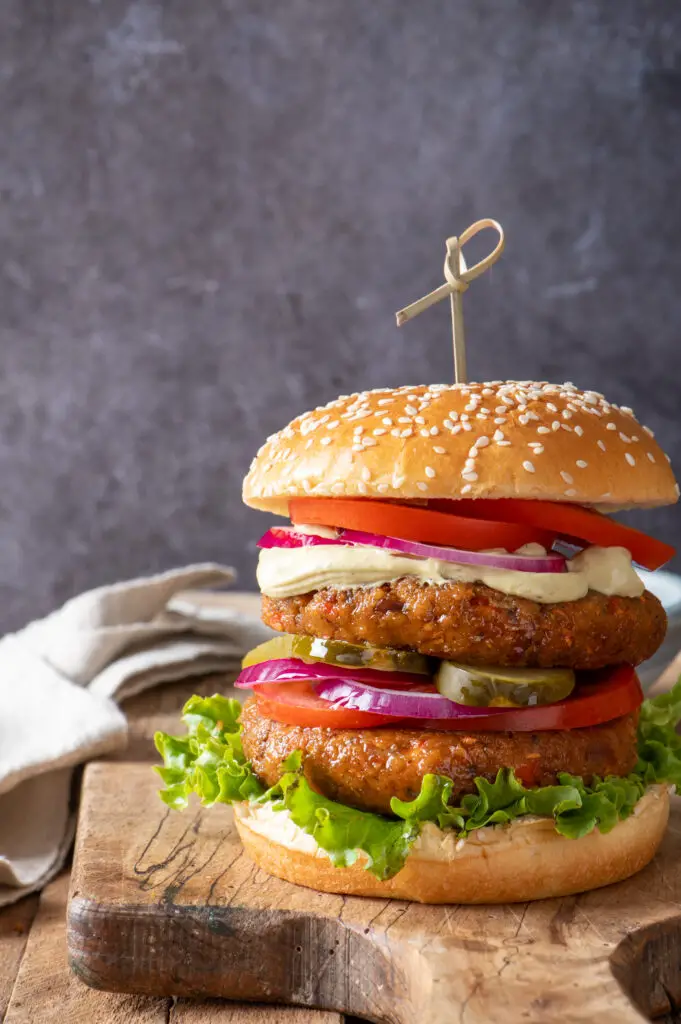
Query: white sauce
x=286 y=572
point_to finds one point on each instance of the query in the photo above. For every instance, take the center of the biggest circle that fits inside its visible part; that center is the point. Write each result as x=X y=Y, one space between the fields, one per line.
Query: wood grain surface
x=168 y=903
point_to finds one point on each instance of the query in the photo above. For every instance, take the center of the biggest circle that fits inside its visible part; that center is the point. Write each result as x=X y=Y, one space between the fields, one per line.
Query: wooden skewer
x=457 y=279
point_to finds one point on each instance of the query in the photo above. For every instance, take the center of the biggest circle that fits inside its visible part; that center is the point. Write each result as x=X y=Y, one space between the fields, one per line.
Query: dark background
x=210 y=212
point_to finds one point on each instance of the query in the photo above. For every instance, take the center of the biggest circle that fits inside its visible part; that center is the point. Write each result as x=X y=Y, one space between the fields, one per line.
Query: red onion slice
x=287 y=537
x=288 y=670
x=410 y=703
x=284 y=537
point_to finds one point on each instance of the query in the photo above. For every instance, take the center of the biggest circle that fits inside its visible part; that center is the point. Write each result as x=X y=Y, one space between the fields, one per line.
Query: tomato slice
x=600 y=697
x=571 y=521
x=420 y=524
x=298 y=704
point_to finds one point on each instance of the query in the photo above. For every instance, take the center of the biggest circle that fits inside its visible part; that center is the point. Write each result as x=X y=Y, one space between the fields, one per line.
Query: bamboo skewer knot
x=457 y=280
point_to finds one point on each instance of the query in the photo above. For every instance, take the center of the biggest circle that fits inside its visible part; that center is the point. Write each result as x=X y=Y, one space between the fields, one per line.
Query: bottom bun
x=526 y=860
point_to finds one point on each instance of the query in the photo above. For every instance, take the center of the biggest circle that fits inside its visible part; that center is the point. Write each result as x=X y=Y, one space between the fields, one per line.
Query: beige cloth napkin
x=60 y=679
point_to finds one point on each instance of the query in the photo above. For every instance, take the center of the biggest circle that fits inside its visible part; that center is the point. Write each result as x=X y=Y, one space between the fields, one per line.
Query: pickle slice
x=338 y=652
x=505 y=687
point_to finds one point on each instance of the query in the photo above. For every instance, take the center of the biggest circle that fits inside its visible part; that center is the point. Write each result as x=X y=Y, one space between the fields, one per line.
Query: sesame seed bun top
x=492 y=440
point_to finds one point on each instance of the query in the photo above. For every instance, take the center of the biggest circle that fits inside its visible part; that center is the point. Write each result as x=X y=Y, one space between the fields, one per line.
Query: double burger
x=449 y=711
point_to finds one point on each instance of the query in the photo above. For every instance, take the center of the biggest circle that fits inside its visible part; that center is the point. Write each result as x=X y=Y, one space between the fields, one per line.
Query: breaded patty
x=471 y=623
x=364 y=768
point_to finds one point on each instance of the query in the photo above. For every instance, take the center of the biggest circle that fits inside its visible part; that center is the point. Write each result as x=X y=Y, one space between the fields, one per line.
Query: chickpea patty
x=474 y=624
x=364 y=768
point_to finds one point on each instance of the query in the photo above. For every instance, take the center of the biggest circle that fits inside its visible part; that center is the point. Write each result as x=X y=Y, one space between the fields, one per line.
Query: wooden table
x=36 y=984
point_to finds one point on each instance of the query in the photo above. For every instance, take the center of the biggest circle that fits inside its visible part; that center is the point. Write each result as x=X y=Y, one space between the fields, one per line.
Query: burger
x=449 y=711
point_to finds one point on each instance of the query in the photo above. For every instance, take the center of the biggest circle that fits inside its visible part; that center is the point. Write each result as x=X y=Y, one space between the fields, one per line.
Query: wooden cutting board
x=166 y=903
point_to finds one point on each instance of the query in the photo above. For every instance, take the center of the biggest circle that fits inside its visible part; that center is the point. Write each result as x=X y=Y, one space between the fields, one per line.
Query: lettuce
x=209 y=761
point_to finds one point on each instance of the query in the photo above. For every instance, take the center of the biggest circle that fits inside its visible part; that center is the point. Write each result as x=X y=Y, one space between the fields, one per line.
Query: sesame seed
x=566 y=477
x=338 y=487
x=379 y=431
x=634 y=437
x=411 y=410
x=454 y=416
x=466 y=488
x=382 y=488
x=464 y=416
x=472 y=452
x=434 y=431
x=362 y=487
x=503 y=443
x=528 y=466
x=578 y=430
x=326 y=440
x=537 y=449
x=439 y=449
x=404 y=419
x=524 y=420
x=424 y=432
x=396 y=432
x=676 y=490
x=627 y=410
x=456 y=429
x=369 y=442
x=386 y=421
x=421 y=486
x=507 y=400
x=366 y=473
x=611 y=426
x=566 y=414
x=501 y=419
x=570 y=492
x=601 y=445
x=566 y=426
x=332 y=425
x=630 y=458
x=358 y=430
x=555 y=425
x=498 y=435
x=488 y=391
x=551 y=407
x=501 y=409
x=407 y=432
x=466 y=426
x=356 y=448
x=448 y=424
x=650 y=456
x=582 y=464
x=386 y=401
x=623 y=437
x=482 y=441
x=419 y=419
x=398 y=480
x=469 y=475
x=308 y=443
x=543 y=430
x=429 y=471
x=649 y=432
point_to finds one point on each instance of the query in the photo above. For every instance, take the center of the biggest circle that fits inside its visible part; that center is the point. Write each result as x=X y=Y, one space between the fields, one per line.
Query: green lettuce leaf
x=209 y=761
x=659 y=745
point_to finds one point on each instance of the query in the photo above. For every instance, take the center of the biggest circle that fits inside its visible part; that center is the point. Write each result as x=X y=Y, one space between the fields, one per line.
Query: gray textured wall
x=211 y=211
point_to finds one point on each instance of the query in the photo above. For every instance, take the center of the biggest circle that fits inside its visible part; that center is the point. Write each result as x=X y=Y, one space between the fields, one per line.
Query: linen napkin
x=60 y=680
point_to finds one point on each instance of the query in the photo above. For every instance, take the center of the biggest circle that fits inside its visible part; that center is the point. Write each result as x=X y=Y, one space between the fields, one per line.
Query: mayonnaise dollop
x=286 y=572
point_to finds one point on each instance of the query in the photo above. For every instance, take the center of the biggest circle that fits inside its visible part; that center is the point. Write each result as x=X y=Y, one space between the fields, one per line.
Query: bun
x=531 y=440
x=526 y=860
